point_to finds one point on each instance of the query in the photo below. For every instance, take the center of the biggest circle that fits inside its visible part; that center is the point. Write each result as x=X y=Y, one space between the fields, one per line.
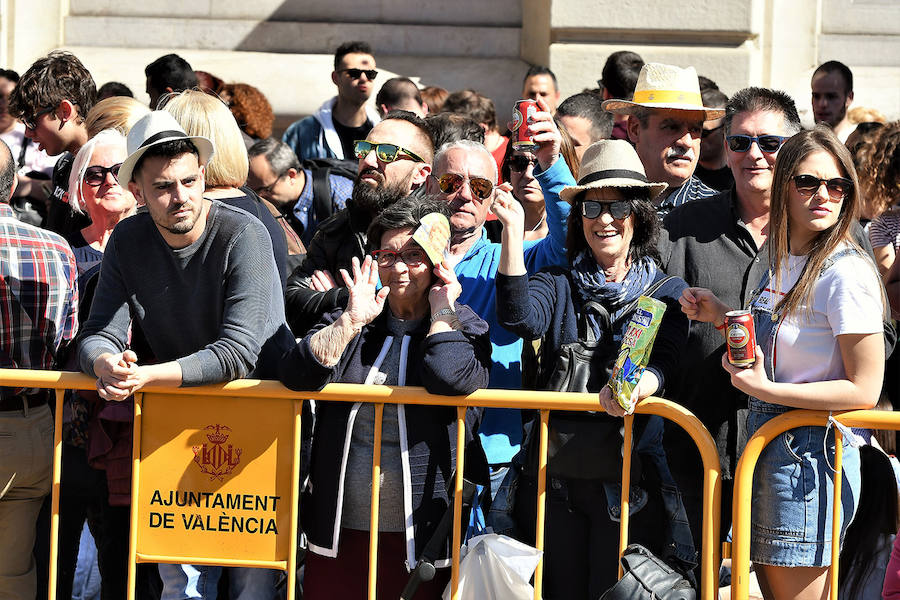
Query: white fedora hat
x=665 y=86
x=611 y=164
x=155 y=128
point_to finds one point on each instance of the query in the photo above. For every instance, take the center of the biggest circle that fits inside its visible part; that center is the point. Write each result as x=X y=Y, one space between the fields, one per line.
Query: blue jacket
x=315 y=136
x=501 y=430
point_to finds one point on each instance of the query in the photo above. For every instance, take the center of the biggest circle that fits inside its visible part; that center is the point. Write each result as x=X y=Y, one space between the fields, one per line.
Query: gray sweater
x=213 y=306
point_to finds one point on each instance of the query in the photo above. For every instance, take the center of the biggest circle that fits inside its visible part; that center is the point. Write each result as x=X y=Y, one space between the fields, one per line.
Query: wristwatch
x=443 y=312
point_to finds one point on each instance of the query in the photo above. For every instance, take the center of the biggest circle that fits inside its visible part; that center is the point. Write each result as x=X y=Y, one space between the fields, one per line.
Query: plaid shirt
x=304 y=211
x=690 y=190
x=38 y=294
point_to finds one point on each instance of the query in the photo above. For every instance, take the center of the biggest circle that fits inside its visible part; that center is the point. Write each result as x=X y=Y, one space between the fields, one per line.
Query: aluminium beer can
x=740 y=335
x=523 y=111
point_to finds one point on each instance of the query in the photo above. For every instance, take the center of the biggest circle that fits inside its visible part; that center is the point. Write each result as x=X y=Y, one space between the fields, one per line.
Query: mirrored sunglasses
x=95 y=176
x=451 y=182
x=838 y=188
x=766 y=143
x=385 y=152
x=621 y=209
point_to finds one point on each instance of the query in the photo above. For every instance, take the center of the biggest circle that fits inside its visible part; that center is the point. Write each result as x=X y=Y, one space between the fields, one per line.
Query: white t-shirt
x=35 y=160
x=846 y=299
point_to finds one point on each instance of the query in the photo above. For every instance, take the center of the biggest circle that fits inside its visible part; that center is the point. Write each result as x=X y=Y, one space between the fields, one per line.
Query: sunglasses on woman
x=452 y=182
x=519 y=163
x=767 y=143
x=95 y=176
x=412 y=257
x=621 y=209
x=807 y=185
x=385 y=152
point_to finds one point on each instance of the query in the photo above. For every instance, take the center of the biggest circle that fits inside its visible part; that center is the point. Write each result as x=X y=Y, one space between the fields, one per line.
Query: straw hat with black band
x=611 y=164
x=155 y=128
x=662 y=86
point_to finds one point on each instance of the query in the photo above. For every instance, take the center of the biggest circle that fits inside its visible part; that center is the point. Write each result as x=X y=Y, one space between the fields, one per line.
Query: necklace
x=539 y=223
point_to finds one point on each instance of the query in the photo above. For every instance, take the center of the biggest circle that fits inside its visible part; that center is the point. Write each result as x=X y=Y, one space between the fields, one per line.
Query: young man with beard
x=394 y=159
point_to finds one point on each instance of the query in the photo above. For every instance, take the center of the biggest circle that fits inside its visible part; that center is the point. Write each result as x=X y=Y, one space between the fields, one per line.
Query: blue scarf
x=591 y=285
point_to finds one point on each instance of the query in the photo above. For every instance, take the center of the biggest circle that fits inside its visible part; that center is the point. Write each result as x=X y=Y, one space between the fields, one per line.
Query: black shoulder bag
x=646 y=577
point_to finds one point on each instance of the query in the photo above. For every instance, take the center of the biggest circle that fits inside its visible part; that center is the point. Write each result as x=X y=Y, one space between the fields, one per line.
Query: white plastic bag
x=495 y=567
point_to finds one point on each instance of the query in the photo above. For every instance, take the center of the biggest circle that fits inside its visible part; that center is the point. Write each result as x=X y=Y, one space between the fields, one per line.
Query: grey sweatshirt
x=212 y=306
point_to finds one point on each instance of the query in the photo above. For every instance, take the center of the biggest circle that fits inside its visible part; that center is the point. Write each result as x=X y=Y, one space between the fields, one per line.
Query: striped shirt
x=690 y=190
x=885 y=230
x=38 y=294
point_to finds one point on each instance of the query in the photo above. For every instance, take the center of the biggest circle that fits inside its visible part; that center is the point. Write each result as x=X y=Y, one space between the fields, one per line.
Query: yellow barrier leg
x=457 y=500
x=836 y=512
x=295 y=493
x=626 y=490
x=376 y=491
x=54 y=492
x=541 y=499
x=135 y=477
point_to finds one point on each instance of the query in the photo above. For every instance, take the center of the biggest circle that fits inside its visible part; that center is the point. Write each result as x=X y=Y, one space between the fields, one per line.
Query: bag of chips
x=634 y=353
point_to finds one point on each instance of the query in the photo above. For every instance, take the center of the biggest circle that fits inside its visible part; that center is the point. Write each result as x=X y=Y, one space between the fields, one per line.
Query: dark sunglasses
x=519 y=163
x=31 y=123
x=385 y=152
x=452 y=182
x=95 y=176
x=766 y=143
x=621 y=209
x=838 y=188
x=371 y=74
x=412 y=257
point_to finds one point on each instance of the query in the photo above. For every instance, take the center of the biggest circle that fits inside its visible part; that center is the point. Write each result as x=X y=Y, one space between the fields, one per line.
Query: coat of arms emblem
x=213 y=458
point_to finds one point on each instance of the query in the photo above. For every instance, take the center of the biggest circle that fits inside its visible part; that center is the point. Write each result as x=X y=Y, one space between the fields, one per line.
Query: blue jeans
x=183 y=582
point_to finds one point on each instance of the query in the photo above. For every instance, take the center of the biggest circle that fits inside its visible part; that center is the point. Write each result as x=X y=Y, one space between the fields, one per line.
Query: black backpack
x=321 y=169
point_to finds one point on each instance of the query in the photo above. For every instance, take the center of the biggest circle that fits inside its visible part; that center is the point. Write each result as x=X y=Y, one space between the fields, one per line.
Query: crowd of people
x=412 y=241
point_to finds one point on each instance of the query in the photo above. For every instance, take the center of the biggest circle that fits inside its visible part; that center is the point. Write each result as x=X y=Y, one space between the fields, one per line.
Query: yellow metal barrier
x=743 y=483
x=380 y=395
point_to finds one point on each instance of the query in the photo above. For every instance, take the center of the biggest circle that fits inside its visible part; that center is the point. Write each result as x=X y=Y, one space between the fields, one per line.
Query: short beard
x=376 y=199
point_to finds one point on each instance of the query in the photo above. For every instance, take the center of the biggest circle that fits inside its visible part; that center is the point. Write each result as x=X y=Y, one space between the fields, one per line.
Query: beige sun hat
x=154 y=128
x=611 y=164
x=665 y=86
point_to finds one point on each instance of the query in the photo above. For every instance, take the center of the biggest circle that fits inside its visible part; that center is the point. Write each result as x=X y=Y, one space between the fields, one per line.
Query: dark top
x=349 y=135
x=61 y=218
x=250 y=202
x=718 y=179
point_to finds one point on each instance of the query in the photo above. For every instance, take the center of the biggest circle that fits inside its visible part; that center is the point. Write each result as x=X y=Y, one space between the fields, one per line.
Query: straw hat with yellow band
x=668 y=87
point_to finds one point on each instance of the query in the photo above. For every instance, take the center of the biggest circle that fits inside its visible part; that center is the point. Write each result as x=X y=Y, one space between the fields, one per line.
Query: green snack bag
x=634 y=353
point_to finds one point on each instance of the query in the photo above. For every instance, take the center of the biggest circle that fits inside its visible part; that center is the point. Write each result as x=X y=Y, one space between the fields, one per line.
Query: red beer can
x=523 y=112
x=741 y=337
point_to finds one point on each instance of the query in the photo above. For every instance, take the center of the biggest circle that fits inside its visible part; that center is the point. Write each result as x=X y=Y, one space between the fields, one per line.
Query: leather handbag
x=647 y=577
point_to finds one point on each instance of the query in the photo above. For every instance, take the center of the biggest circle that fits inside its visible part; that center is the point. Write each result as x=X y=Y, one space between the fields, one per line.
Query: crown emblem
x=214 y=458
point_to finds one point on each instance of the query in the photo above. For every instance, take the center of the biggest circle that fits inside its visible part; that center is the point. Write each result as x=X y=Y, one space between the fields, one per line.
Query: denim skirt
x=793 y=491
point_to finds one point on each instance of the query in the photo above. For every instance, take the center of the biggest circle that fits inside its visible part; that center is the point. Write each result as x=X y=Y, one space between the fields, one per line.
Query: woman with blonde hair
x=117 y=112
x=818 y=313
x=226 y=173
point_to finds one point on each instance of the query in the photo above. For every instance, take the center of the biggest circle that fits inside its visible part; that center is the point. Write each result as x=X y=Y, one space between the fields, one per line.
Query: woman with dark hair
x=818 y=313
x=410 y=332
x=611 y=246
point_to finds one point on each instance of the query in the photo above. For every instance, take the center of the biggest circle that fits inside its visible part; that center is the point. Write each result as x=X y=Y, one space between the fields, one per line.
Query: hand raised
x=364 y=304
x=509 y=211
x=445 y=292
x=546 y=135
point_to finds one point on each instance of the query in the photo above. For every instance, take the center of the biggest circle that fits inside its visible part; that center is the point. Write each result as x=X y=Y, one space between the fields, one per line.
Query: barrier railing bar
x=836 y=512
x=59 y=395
x=295 y=506
x=625 y=509
x=135 y=480
x=376 y=491
x=281 y=565
x=541 y=501
x=458 y=500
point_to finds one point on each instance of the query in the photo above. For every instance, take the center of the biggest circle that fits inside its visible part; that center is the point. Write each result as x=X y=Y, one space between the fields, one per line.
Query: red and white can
x=740 y=335
x=523 y=112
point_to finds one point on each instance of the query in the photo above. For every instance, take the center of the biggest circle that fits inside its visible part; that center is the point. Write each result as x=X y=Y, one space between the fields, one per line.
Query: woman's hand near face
x=364 y=303
x=700 y=304
x=545 y=133
x=445 y=292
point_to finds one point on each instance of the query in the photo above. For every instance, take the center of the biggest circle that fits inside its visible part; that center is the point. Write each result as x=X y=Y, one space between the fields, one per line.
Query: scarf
x=591 y=285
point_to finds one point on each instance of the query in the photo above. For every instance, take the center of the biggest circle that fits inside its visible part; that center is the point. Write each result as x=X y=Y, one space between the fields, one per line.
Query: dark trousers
x=581 y=541
x=346 y=576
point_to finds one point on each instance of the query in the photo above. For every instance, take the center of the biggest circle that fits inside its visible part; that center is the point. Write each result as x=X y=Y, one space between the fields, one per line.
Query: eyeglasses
x=767 y=143
x=519 y=162
x=412 y=257
x=452 y=182
x=621 y=209
x=31 y=123
x=838 y=188
x=96 y=176
x=265 y=190
x=371 y=74
x=385 y=152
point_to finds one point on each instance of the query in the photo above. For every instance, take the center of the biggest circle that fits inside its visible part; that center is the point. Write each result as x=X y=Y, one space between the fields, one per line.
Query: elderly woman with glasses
x=409 y=332
x=818 y=313
x=611 y=247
